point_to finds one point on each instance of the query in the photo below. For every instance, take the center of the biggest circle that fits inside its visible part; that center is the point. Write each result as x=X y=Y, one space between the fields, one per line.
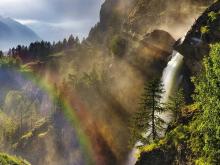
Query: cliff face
x=143 y=16
x=111 y=16
x=196 y=44
x=205 y=31
x=168 y=14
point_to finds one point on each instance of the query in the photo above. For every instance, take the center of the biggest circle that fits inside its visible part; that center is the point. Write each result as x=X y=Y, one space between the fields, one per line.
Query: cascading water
x=171 y=79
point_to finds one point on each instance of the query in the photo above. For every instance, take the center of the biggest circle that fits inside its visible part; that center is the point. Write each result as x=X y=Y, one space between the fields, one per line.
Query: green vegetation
x=7 y=128
x=22 y=108
x=176 y=103
x=1 y=54
x=205 y=30
x=11 y=160
x=213 y=16
x=40 y=51
x=194 y=135
x=206 y=125
x=9 y=62
x=147 y=120
x=118 y=45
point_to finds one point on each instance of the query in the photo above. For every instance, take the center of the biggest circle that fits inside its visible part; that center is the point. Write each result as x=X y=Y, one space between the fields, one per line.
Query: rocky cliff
x=175 y=148
x=171 y=14
x=203 y=32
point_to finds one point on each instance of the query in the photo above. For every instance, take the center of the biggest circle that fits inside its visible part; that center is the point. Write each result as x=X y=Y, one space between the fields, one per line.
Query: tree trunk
x=21 y=123
x=152 y=117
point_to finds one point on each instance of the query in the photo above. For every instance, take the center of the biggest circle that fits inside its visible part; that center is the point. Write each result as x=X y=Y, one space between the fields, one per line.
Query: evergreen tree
x=71 y=41
x=77 y=41
x=147 y=124
x=65 y=43
x=175 y=104
x=1 y=54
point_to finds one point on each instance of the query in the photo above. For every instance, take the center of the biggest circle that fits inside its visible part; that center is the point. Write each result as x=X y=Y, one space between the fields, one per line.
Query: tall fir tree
x=146 y=123
x=176 y=103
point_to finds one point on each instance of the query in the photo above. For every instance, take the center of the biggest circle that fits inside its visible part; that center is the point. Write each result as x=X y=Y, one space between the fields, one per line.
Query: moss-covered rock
x=205 y=31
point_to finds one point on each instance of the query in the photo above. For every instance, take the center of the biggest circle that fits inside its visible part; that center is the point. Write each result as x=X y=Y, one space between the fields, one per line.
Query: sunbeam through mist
x=88 y=99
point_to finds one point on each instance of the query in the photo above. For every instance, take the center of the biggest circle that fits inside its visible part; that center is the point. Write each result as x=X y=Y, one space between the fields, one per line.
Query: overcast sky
x=54 y=19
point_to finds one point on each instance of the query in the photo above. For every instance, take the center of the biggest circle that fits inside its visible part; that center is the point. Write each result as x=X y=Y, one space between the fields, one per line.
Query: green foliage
x=173 y=139
x=118 y=45
x=11 y=160
x=213 y=16
x=9 y=62
x=178 y=135
x=42 y=50
x=17 y=102
x=176 y=103
x=7 y=127
x=40 y=129
x=22 y=109
x=198 y=138
x=90 y=80
x=205 y=138
x=147 y=120
x=201 y=161
x=27 y=136
x=1 y=54
x=153 y=146
x=205 y=30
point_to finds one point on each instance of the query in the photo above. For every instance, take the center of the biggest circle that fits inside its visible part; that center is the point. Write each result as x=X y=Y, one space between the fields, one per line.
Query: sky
x=54 y=19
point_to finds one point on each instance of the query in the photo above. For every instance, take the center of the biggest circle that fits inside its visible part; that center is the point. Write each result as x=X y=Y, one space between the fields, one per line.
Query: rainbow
x=68 y=111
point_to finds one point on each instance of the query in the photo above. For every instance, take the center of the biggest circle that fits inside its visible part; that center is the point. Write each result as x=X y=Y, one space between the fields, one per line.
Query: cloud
x=69 y=16
x=27 y=21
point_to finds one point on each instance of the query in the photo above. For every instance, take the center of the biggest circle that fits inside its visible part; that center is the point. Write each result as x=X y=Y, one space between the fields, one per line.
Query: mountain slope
x=143 y=16
x=169 y=15
x=13 y=33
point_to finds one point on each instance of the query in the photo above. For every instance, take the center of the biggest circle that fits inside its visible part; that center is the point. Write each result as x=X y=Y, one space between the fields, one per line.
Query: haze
x=54 y=19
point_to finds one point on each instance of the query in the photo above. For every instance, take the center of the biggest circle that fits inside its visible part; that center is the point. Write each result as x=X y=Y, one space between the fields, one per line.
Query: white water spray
x=171 y=79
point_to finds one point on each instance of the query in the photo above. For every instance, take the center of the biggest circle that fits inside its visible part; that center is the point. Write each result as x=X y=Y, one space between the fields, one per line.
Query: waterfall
x=171 y=75
x=171 y=79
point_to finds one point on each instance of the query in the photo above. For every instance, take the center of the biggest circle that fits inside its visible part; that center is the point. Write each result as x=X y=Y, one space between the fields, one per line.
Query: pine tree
x=1 y=54
x=175 y=103
x=147 y=124
x=71 y=41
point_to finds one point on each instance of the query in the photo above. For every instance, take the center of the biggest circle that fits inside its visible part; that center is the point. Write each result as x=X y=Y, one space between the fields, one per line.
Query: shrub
x=118 y=46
